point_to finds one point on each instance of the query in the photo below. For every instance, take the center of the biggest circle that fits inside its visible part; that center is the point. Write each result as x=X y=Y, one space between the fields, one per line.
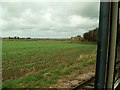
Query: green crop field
x=37 y=64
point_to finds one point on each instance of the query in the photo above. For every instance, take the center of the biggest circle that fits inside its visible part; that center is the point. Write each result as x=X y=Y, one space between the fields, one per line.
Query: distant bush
x=28 y=38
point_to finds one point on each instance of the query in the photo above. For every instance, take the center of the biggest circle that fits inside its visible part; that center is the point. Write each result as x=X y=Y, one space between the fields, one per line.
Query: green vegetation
x=91 y=35
x=41 y=63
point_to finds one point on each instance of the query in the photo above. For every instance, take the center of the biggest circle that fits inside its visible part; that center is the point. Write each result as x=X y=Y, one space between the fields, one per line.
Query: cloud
x=46 y=19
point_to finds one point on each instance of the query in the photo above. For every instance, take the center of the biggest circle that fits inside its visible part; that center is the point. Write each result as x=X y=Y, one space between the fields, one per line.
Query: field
x=38 y=64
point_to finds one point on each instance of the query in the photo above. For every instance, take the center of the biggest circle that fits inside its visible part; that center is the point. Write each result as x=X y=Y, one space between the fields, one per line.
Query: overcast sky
x=48 y=19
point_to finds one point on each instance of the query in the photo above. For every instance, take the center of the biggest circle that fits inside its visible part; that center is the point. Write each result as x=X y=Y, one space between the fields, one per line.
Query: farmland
x=40 y=63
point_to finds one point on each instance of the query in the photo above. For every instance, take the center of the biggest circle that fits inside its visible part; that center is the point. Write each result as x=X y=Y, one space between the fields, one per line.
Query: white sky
x=48 y=19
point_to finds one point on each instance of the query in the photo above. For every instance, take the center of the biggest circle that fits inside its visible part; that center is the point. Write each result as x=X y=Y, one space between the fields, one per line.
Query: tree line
x=15 y=37
x=92 y=35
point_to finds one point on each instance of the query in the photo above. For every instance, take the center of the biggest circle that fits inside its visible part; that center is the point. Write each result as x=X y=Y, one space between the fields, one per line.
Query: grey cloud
x=47 y=19
x=91 y=10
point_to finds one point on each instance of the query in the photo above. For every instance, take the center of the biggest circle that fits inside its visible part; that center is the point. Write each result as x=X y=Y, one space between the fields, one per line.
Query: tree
x=92 y=35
